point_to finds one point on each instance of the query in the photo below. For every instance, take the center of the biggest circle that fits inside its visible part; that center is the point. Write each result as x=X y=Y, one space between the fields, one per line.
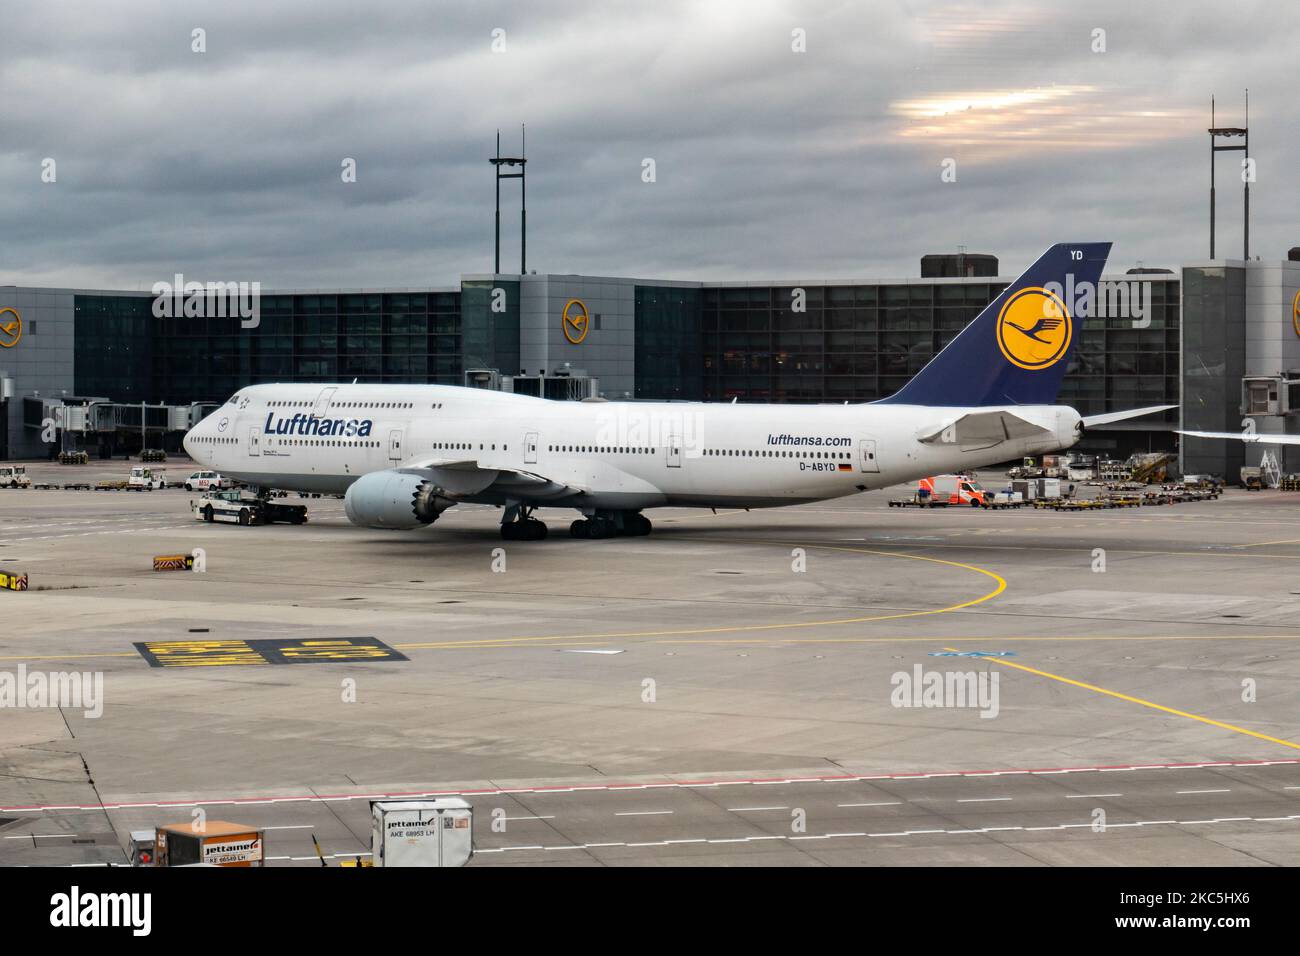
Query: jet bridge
x=89 y=423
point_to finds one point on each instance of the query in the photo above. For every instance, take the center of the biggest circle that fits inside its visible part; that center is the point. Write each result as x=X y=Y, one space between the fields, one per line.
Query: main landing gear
x=608 y=525
x=518 y=524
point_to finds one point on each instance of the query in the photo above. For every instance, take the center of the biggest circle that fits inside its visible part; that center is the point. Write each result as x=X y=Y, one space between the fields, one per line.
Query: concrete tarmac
x=736 y=688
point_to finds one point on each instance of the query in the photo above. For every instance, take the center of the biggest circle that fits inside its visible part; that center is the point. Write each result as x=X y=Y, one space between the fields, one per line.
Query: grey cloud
x=769 y=164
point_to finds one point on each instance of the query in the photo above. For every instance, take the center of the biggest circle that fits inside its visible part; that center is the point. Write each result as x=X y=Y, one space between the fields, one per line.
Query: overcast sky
x=768 y=163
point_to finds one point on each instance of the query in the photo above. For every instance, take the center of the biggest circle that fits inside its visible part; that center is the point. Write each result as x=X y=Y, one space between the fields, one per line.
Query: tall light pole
x=1231 y=133
x=519 y=162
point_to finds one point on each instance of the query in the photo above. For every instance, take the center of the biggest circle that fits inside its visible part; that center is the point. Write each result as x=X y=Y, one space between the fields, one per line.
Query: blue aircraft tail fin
x=1015 y=352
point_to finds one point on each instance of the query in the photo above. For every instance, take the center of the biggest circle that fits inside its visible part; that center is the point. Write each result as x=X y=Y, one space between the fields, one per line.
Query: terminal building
x=112 y=376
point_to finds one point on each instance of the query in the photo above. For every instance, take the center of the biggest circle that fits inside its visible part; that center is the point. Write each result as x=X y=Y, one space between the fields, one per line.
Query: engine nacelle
x=390 y=499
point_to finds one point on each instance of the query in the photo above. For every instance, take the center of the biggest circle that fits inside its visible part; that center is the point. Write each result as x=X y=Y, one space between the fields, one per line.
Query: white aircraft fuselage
x=608 y=455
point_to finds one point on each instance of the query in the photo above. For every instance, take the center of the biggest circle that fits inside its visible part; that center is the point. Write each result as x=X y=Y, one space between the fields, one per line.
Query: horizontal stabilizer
x=982 y=429
x=1092 y=421
x=1248 y=437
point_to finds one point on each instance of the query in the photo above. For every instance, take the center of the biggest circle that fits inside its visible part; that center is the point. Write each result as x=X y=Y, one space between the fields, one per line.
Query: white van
x=206 y=481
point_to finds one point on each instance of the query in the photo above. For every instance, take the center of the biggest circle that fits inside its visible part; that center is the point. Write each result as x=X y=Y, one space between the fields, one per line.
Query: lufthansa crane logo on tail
x=1034 y=329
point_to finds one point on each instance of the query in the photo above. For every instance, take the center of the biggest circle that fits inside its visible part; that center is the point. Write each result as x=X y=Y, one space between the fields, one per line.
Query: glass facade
x=123 y=352
x=863 y=342
x=828 y=343
x=113 y=347
x=1118 y=367
x=669 y=360
x=491 y=339
x=1214 y=340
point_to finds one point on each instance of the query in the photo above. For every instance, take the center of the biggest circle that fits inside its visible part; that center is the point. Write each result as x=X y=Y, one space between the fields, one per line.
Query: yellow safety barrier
x=173 y=562
x=13 y=582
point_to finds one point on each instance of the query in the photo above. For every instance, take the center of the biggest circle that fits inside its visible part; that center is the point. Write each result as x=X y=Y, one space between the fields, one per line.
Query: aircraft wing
x=981 y=428
x=1244 y=436
x=459 y=478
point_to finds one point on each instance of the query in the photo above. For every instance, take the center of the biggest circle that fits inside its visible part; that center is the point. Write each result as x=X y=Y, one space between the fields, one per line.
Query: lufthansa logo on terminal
x=574 y=321
x=11 y=329
x=1034 y=329
x=1295 y=313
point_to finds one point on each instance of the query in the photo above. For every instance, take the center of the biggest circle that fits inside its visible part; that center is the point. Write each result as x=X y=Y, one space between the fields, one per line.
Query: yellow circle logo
x=11 y=330
x=1034 y=329
x=1295 y=313
x=575 y=321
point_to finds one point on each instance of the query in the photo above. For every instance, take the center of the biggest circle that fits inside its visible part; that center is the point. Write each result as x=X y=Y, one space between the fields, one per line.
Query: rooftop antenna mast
x=1218 y=133
x=498 y=161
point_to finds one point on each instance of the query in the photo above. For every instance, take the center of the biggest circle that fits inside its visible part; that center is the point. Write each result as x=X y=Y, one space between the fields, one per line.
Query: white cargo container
x=421 y=832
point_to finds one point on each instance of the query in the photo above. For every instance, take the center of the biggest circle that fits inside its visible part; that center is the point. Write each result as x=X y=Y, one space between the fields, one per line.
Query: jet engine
x=393 y=499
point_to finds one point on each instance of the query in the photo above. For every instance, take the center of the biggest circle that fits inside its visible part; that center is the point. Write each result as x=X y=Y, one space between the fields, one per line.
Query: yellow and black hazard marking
x=12 y=582
x=327 y=650
x=173 y=562
x=215 y=653
x=199 y=653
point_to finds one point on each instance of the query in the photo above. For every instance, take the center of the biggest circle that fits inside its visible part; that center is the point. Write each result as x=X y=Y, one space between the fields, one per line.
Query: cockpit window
x=233 y=399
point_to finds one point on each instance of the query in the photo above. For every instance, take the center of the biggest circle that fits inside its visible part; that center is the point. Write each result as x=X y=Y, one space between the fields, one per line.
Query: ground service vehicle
x=233 y=507
x=14 y=476
x=206 y=481
x=953 y=490
x=144 y=478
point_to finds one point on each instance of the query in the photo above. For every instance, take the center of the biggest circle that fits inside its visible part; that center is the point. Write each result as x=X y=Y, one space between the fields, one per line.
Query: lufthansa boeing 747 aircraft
x=403 y=454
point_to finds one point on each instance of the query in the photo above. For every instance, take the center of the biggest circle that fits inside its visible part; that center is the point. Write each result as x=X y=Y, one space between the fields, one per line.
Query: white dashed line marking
x=42 y=836
x=897 y=833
